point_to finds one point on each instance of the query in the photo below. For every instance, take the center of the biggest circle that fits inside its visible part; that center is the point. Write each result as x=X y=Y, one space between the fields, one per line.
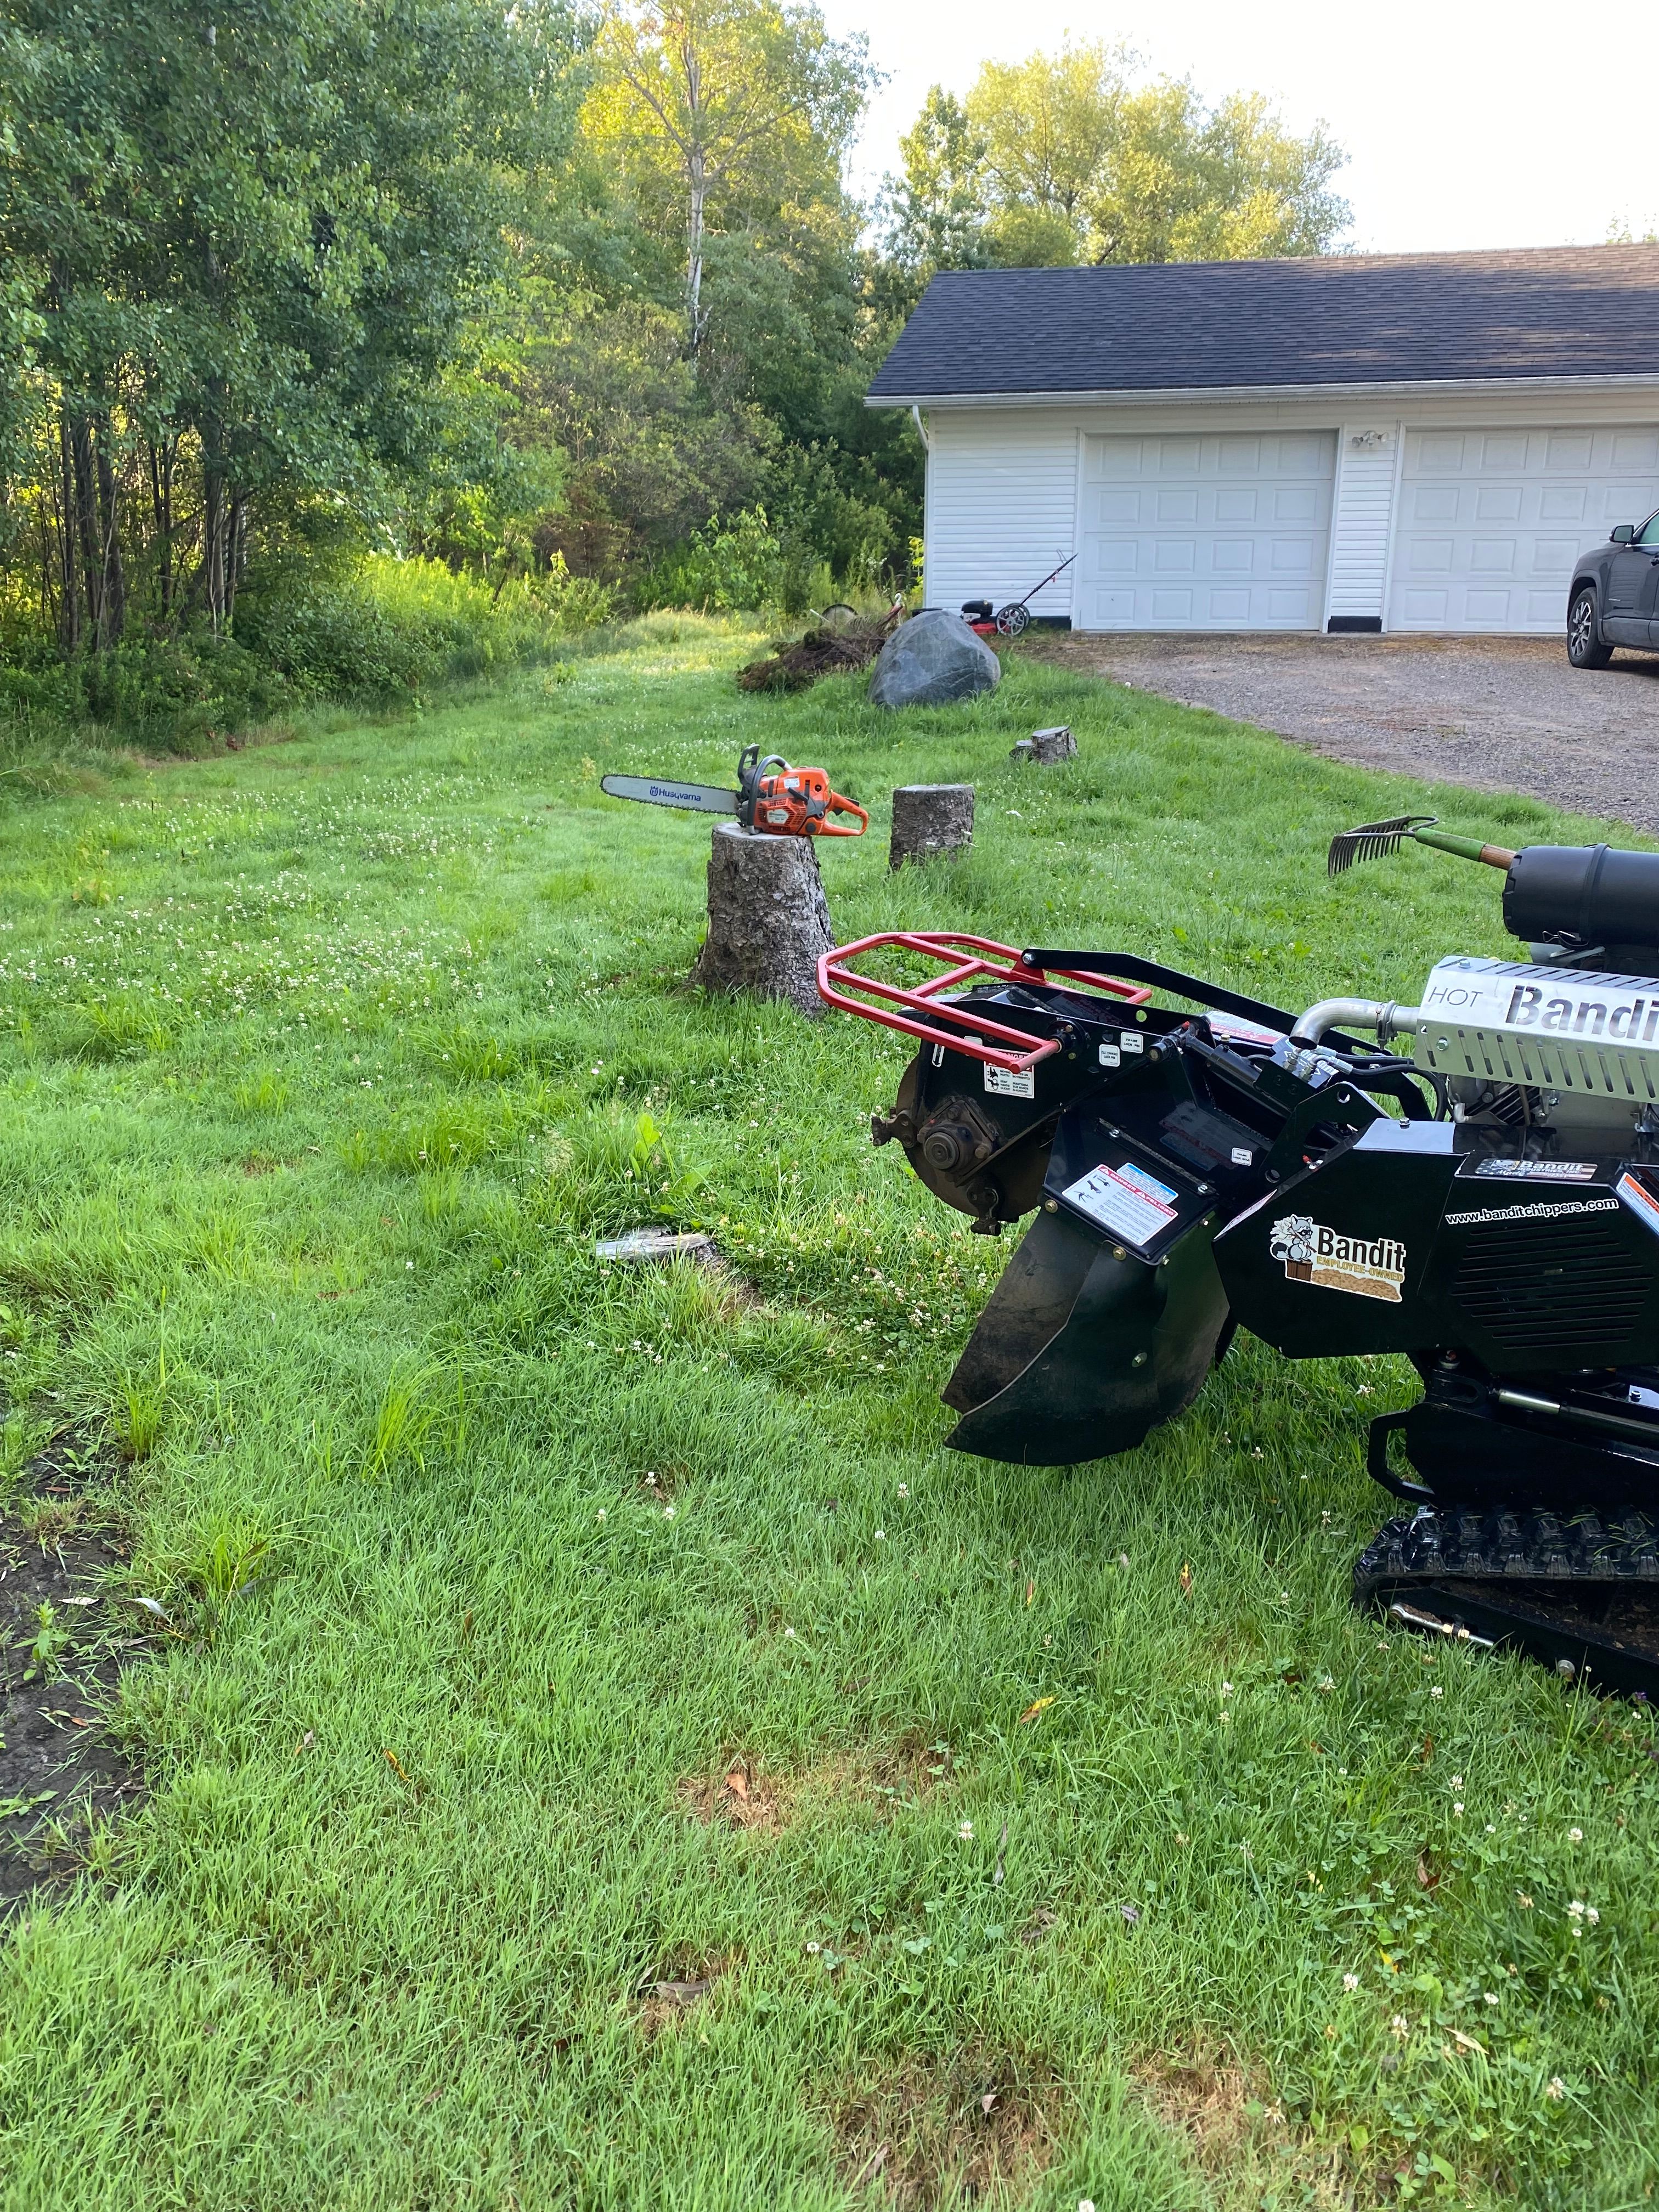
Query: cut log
x=769 y=922
x=1047 y=746
x=930 y=819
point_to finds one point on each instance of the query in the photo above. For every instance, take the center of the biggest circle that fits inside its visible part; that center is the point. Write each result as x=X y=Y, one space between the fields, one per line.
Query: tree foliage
x=564 y=299
x=1064 y=158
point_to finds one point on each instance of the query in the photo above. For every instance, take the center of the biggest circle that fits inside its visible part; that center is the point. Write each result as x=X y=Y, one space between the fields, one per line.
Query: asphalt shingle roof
x=1198 y=326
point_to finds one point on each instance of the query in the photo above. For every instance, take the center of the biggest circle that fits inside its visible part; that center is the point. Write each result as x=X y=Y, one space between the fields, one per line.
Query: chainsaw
x=1488 y=1207
x=771 y=798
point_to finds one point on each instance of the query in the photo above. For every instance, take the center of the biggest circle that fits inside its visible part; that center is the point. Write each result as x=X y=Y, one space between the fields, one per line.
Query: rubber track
x=1579 y=1591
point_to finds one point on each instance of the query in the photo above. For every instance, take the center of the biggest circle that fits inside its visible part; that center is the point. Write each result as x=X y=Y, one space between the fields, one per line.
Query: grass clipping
x=828 y=650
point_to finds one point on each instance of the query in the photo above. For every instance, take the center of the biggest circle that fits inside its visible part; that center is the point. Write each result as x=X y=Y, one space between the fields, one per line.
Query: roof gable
x=1339 y=319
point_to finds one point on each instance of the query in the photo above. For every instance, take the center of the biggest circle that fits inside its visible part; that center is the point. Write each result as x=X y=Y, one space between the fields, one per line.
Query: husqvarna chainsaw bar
x=771 y=798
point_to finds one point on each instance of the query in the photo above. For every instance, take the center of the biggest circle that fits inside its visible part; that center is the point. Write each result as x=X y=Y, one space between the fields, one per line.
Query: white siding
x=1469 y=522
x=1002 y=507
x=1367 y=463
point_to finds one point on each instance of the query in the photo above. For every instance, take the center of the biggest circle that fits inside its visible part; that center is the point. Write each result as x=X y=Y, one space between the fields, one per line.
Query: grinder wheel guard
x=1487 y=1207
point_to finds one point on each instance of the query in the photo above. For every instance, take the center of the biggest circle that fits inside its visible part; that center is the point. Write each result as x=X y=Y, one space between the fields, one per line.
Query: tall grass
x=542 y=1632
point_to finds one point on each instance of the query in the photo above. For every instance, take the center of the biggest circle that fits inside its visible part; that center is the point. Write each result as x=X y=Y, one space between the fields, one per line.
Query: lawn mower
x=1015 y=618
x=1488 y=1206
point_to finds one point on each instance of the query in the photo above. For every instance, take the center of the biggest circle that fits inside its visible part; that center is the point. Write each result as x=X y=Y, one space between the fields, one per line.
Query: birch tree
x=729 y=103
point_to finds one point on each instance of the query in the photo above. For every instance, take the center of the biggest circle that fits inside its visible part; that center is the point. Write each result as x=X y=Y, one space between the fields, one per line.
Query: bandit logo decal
x=1365 y=1267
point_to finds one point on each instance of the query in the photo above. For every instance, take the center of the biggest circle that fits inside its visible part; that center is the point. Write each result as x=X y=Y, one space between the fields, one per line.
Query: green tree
x=252 y=242
x=1188 y=183
x=722 y=110
x=1062 y=158
x=936 y=208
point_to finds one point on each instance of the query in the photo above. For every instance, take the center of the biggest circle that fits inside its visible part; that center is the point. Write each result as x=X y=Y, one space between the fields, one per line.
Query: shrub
x=726 y=567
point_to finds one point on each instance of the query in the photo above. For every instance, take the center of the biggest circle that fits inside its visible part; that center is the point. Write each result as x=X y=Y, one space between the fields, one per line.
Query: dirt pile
x=831 y=648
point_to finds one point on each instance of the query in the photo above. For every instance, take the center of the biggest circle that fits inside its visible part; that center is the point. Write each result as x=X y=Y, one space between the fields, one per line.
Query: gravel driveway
x=1498 y=713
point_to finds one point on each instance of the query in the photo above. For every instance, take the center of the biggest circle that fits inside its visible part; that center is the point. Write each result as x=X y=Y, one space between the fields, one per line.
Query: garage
x=1348 y=444
x=1490 y=520
x=1219 y=532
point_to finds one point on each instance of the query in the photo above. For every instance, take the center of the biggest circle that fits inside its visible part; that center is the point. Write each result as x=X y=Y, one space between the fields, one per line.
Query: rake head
x=1372 y=839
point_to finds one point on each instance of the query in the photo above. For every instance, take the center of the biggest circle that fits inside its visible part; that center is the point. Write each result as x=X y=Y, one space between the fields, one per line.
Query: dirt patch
x=738 y=1796
x=674 y=1990
x=1236 y=2132
x=953 y=2128
x=743 y=1794
x=63 y=1646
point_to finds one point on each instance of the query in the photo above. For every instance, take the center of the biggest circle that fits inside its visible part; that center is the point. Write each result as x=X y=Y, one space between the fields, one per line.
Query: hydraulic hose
x=1388 y=1019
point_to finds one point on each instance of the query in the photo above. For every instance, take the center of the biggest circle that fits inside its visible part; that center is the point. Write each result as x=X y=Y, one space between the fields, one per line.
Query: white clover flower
x=1574 y=1835
x=1436 y=1692
x=1555 y=2088
x=1351 y=1981
x=881 y=1535
x=1458 y=1782
x=966 y=1832
x=904 y=1490
x=1575 y=1909
x=1490 y=1996
x=1401 y=2024
x=1592 y=1915
x=601 y=1512
x=1458 y=1811
x=1226 y=1689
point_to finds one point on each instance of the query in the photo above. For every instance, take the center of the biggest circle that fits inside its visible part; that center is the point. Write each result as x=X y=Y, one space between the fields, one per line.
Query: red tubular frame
x=837 y=979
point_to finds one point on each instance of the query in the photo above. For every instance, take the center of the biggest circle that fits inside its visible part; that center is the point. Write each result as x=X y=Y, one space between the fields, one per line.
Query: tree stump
x=930 y=819
x=769 y=922
x=1047 y=746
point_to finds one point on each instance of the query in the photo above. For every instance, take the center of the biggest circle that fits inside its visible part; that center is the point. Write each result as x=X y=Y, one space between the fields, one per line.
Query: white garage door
x=1217 y=531
x=1491 y=521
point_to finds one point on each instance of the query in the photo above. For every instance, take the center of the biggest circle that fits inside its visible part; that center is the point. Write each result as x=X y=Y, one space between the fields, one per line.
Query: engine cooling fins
x=1579 y=1591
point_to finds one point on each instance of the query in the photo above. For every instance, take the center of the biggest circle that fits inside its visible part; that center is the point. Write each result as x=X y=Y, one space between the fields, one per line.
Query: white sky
x=1466 y=125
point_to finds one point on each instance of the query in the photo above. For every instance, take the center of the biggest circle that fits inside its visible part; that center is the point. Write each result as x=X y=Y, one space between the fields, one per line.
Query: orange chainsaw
x=771 y=797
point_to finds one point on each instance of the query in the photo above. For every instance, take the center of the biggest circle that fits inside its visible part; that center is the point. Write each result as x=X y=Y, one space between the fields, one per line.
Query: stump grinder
x=1488 y=1206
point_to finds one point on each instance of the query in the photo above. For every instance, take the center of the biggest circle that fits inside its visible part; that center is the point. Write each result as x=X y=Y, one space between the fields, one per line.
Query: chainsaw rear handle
x=836 y=805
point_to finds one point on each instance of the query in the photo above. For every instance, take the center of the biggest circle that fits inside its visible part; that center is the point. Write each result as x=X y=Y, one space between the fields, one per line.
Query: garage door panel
x=1230 y=531
x=1491 y=522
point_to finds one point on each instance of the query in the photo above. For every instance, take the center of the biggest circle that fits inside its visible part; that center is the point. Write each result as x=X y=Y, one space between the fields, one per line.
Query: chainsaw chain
x=1428 y=1547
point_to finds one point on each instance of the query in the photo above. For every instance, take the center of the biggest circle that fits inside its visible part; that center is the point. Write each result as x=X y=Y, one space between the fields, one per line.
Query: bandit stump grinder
x=1488 y=1206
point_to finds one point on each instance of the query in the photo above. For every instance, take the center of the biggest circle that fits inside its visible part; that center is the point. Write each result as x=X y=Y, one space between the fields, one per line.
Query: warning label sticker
x=1008 y=1082
x=1132 y=1204
x=1640 y=1201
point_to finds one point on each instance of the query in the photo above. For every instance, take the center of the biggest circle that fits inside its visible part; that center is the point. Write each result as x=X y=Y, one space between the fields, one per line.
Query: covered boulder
x=932 y=660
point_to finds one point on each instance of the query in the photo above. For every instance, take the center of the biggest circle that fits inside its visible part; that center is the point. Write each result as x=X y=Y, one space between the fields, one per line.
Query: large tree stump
x=769 y=922
x=930 y=819
x=1047 y=746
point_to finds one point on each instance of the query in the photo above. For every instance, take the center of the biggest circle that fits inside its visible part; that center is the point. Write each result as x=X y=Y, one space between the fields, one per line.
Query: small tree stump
x=1047 y=746
x=930 y=819
x=769 y=922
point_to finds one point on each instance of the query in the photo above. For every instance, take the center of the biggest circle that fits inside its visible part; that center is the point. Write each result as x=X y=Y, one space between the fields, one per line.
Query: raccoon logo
x=1293 y=1238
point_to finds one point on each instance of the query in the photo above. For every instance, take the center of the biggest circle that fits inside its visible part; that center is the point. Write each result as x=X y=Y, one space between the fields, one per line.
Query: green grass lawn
x=323 y=1063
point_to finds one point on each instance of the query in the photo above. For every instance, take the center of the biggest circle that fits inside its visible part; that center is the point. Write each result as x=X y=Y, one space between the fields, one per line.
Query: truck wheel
x=1585 y=646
